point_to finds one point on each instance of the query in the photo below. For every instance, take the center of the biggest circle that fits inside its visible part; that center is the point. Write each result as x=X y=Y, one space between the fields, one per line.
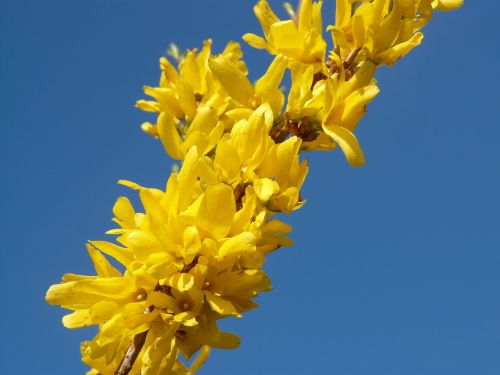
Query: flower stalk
x=131 y=354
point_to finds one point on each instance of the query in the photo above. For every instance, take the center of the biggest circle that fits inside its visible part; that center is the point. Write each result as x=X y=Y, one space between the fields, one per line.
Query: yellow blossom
x=190 y=102
x=301 y=40
x=383 y=30
x=241 y=90
x=195 y=253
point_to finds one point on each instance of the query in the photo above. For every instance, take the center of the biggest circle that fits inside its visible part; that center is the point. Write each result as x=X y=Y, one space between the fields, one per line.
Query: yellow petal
x=187 y=318
x=181 y=281
x=305 y=15
x=190 y=71
x=134 y=315
x=392 y=55
x=82 y=294
x=142 y=242
x=102 y=266
x=358 y=29
x=227 y=341
x=240 y=244
x=167 y=101
x=232 y=79
x=287 y=38
x=200 y=359
x=343 y=9
x=78 y=319
x=447 y=4
x=221 y=305
x=286 y=201
x=242 y=218
x=148 y=106
x=265 y=15
x=251 y=138
x=265 y=188
x=348 y=143
x=227 y=160
x=168 y=70
x=124 y=212
x=255 y=41
x=191 y=244
x=103 y=311
x=157 y=299
x=130 y=184
x=362 y=78
x=121 y=254
x=160 y=351
x=213 y=211
x=233 y=53
x=169 y=136
x=357 y=101
x=196 y=139
x=267 y=88
x=204 y=121
x=389 y=29
x=150 y=129
x=186 y=99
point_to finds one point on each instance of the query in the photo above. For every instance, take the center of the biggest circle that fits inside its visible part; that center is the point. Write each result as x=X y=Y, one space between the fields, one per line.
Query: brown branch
x=134 y=348
x=319 y=76
x=349 y=61
x=279 y=132
x=131 y=354
x=351 y=57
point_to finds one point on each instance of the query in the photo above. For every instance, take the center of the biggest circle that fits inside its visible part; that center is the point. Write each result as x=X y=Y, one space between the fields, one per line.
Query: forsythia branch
x=195 y=254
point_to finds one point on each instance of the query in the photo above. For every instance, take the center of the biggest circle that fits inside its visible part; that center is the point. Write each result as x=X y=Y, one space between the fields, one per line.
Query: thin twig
x=134 y=348
x=351 y=57
x=131 y=354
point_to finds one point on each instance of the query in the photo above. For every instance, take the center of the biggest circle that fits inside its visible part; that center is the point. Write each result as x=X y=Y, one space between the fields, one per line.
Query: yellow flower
x=249 y=154
x=195 y=254
x=241 y=90
x=306 y=100
x=231 y=97
x=307 y=96
x=383 y=31
x=190 y=102
x=331 y=107
x=102 y=298
x=345 y=104
x=192 y=339
x=118 y=304
x=301 y=40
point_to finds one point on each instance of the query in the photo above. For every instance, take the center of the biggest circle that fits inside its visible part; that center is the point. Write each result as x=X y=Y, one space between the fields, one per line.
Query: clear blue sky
x=396 y=266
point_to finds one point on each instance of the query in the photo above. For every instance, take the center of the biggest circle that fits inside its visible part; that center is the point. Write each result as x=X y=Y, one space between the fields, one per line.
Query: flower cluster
x=195 y=253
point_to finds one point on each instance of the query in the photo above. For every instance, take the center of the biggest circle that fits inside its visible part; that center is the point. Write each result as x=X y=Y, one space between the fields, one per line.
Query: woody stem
x=131 y=354
x=135 y=346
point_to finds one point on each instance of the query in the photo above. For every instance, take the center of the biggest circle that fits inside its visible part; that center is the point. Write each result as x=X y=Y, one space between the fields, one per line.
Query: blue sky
x=395 y=268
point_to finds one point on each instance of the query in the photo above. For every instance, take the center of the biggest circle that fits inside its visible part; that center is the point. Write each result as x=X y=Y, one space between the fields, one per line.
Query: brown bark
x=131 y=354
